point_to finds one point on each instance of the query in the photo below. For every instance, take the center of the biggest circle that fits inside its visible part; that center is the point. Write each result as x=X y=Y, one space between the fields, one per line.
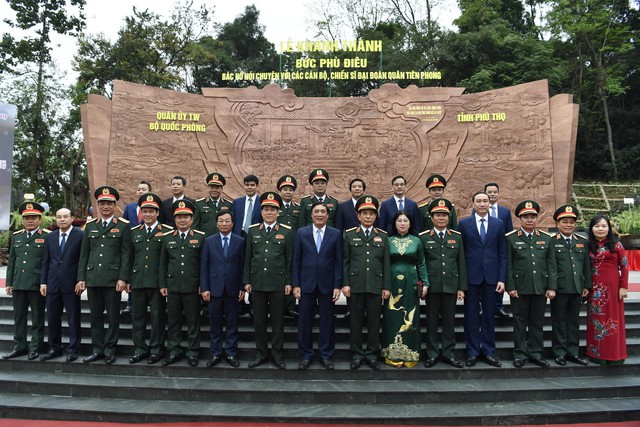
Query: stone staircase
x=442 y=395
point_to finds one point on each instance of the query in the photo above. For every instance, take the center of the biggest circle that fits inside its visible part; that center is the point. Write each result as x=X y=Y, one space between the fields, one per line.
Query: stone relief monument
x=516 y=136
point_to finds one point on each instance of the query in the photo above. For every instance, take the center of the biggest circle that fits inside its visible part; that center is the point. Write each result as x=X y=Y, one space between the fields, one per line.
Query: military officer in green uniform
x=207 y=208
x=146 y=243
x=531 y=279
x=180 y=281
x=289 y=214
x=367 y=281
x=22 y=282
x=267 y=276
x=574 y=282
x=436 y=185
x=318 y=178
x=104 y=270
x=447 y=270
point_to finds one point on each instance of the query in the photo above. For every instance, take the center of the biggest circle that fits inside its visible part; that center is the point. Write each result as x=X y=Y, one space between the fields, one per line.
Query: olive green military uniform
x=104 y=259
x=267 y=267
x=23 y=275
x=145 y=288
x=425 y=218
x=180 y=274
x=305 y=209
x=205 y=217
x=531 y=270
x=290 y=215
x=574 y=275
x=367 y=270
x=447 y=271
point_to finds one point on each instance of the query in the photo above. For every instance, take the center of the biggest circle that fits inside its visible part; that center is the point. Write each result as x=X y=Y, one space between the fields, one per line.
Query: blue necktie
x=401 y=204
x=63 y=242
x=225 y=245
x=319 y=240
x=483 y=230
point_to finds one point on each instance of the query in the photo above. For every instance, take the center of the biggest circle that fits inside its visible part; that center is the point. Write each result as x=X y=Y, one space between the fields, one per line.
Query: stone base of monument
x=441 y=395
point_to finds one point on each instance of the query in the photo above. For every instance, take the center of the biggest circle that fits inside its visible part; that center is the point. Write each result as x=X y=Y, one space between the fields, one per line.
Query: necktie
x=401 y=204
x=225 y=245
x=63 y=241
x=247 y=216
x=529 y=236
x=366 y=233
x=268 y=229
x=569 y=242
x=441 y=235
x=104 y=224
x=183 y=236
x=148 y=231
x=318 y=240
x=286 y=207
x=28 y=235
x=493 y=212
x=483 y=230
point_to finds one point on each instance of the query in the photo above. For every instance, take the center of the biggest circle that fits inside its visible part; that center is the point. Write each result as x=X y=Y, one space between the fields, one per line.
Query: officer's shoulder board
x=455 y=232
x=308 y=196
x=167 y=233
x=19 y=231
x=351 y=229
x=296 y=204
x=424 y=232
x=165 y=226
x=200 y=199
x=45 y=230
x=381 y=230
x=577 y=236
x=126 y=221
x=92 y=220
x=511 y=232
x=545 y=233
x=137 y=227
x=288 y=227
x=223 y=200
x=422 y=205
x=199 y=232
x=255 y=225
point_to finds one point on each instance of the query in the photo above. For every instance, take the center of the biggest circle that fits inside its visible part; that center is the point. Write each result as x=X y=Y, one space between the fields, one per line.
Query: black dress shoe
x=291 y=313
x=72 y=357
x=347 y=315
x=501 y=314
x=14 y=354
x=279 y=364
x=213 y=361
x=33 y=355
x=110 y=359
x=453 y=362
x=540 y=362
x=430 y=362
x=52 y=354
x=126 y=310
x=576 y=359
x=560 y=360
x=375 y=365
x=92 y=358
x=519 y=363
x=154 y=358
x=137 y=358
x=328 y=364
x=256 y=363
x=304 y=364
x=355 y=364
x=471 y=361
x=170 y=360
x=192 y=361
x=492 y=361
x=233 y=361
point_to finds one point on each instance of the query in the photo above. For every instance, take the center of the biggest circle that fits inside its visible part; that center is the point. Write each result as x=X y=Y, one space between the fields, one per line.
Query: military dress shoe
x=490 y=360
x=576 y=359
x=540 y=362
x=279 y=364
x=453 y=362
x=256 y=363
x=291 y=313
x=192 y=361
x=213 y=361
x=355 y=364
x=471 y=361
x=72 y=357
x=170 y=360
x=126 y=310
x=154 y=358
x=14 y=354
x=328 y=364
x=560 y=360
x=304 y=364
x=52 y=354
x=430 y=362
x=92 y=358
x=233 y=361
x=137 y=358
x=375 y=365
x=501 y=314
x=519 y=363
x=110 y=359
x=33 y=355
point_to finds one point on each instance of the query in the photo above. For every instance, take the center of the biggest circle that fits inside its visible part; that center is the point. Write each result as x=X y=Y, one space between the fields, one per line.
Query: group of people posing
x=173 y=256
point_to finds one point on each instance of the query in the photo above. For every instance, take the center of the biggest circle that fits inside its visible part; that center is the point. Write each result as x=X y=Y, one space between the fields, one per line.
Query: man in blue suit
x=399 y=202
x=317 y=276
x=132 y=210
x=486 y=255
x=501 y=212
x=58 y=284
x=221 y=286
x=346 y=215
x=246 y=209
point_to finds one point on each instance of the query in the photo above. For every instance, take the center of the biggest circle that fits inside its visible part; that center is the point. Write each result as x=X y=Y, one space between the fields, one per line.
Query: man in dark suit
x=246 y=209
x=267 y=276
x=436 y=185
x=503 y=213
x=486 y=255
x=317 y=276
x=25 y=258
x=221 y=286
x=58 y=284
x=399 y=202
x=178 y=185
x=346 y=216
x=132 y=210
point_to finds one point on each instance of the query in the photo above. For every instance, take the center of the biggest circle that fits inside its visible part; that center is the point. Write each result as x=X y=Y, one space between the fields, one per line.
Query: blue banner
x=7 y=126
